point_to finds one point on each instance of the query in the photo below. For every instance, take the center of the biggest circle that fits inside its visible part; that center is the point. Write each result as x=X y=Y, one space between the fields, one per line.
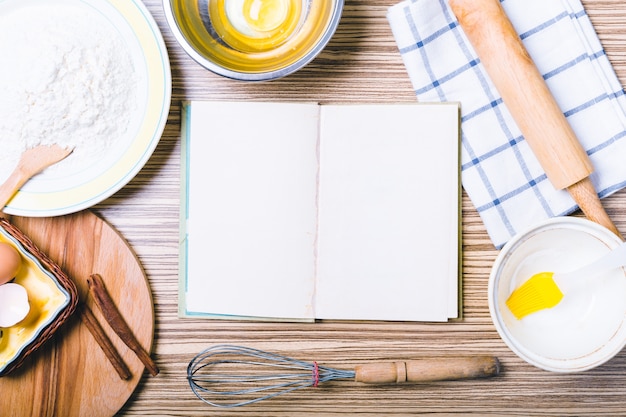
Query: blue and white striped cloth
x=499 y=172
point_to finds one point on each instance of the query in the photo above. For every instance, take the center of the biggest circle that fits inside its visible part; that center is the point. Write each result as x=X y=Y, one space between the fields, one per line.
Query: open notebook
x=294 y=211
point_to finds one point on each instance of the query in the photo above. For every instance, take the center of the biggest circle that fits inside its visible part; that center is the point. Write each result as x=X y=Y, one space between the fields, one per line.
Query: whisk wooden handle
x=530 y=102
x=428 y=370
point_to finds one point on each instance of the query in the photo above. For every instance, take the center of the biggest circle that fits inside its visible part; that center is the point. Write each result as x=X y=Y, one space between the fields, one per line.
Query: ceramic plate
x=588 y=327
x=70 y=188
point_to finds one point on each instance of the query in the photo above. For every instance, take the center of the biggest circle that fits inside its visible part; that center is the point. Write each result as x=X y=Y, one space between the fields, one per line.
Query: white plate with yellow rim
x=79 y=186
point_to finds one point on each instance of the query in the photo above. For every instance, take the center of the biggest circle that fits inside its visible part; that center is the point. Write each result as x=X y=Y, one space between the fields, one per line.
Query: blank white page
x=388 y=212
x=251 y=221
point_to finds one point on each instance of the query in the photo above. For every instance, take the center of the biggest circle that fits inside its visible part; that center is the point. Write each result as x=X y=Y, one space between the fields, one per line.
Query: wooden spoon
x=32 y=162
x=531 y=103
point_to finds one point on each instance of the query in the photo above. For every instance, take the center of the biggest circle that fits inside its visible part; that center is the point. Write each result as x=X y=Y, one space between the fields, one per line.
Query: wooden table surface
x=361 y=64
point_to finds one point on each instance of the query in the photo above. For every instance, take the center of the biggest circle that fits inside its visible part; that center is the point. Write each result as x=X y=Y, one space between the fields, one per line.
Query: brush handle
x=612 y=260
x=428 y=370
x=532 y=106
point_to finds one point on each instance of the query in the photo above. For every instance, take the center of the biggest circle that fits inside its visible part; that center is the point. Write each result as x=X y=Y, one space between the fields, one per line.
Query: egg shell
x=10 y=262
x=14 y=306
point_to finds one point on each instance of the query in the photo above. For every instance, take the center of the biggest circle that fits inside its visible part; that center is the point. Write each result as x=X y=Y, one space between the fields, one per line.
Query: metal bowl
x=253 y=40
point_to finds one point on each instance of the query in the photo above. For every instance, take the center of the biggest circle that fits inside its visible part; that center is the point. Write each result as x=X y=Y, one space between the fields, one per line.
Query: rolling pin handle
x=584 y=193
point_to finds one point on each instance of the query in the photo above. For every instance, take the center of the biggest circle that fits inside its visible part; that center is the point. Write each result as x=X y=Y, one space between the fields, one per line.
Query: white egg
x=14 y=306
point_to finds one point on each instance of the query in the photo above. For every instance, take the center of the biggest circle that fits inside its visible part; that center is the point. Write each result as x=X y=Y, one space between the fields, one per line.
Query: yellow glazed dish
x=253 y=40
x=52 y=298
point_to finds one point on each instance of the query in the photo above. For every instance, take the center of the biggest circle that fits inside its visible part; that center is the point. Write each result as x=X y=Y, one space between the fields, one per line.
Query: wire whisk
x=231 y=376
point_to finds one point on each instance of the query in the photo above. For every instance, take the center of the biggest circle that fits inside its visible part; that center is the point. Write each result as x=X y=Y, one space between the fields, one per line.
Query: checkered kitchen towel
x=499 y=172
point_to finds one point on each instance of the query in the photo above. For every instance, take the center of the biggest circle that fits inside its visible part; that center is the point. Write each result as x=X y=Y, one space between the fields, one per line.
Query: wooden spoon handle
x=428 y=370
x=530 y=102
x=8 y=189
x=32 y=161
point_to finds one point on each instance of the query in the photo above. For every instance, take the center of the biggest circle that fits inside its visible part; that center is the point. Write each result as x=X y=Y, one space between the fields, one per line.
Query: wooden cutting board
x=69 y=375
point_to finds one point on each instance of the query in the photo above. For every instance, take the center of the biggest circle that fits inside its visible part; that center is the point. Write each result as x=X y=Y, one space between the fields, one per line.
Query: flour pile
x=68 y=78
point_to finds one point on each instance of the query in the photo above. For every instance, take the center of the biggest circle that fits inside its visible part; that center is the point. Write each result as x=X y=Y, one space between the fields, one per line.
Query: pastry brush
x=546 y=289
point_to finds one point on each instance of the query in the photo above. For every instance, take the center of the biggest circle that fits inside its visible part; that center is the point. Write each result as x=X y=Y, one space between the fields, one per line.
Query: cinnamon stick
x=112 y=315
x=104 y=342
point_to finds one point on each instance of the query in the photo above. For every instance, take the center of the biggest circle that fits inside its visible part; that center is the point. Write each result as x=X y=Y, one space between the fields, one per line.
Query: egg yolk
x=255 y=25
x=265 y=15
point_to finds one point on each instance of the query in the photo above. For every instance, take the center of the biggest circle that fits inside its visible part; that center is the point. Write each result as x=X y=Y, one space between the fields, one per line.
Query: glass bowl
x=253 y=40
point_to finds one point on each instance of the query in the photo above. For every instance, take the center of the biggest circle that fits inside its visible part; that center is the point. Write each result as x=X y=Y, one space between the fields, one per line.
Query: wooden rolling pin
x=530 y=102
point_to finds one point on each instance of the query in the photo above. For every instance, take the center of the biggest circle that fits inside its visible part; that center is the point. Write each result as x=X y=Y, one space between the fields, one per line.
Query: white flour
x=66 y=77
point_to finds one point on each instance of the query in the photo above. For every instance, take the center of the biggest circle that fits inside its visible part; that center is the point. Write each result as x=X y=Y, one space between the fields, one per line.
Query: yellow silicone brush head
x=538 y=293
